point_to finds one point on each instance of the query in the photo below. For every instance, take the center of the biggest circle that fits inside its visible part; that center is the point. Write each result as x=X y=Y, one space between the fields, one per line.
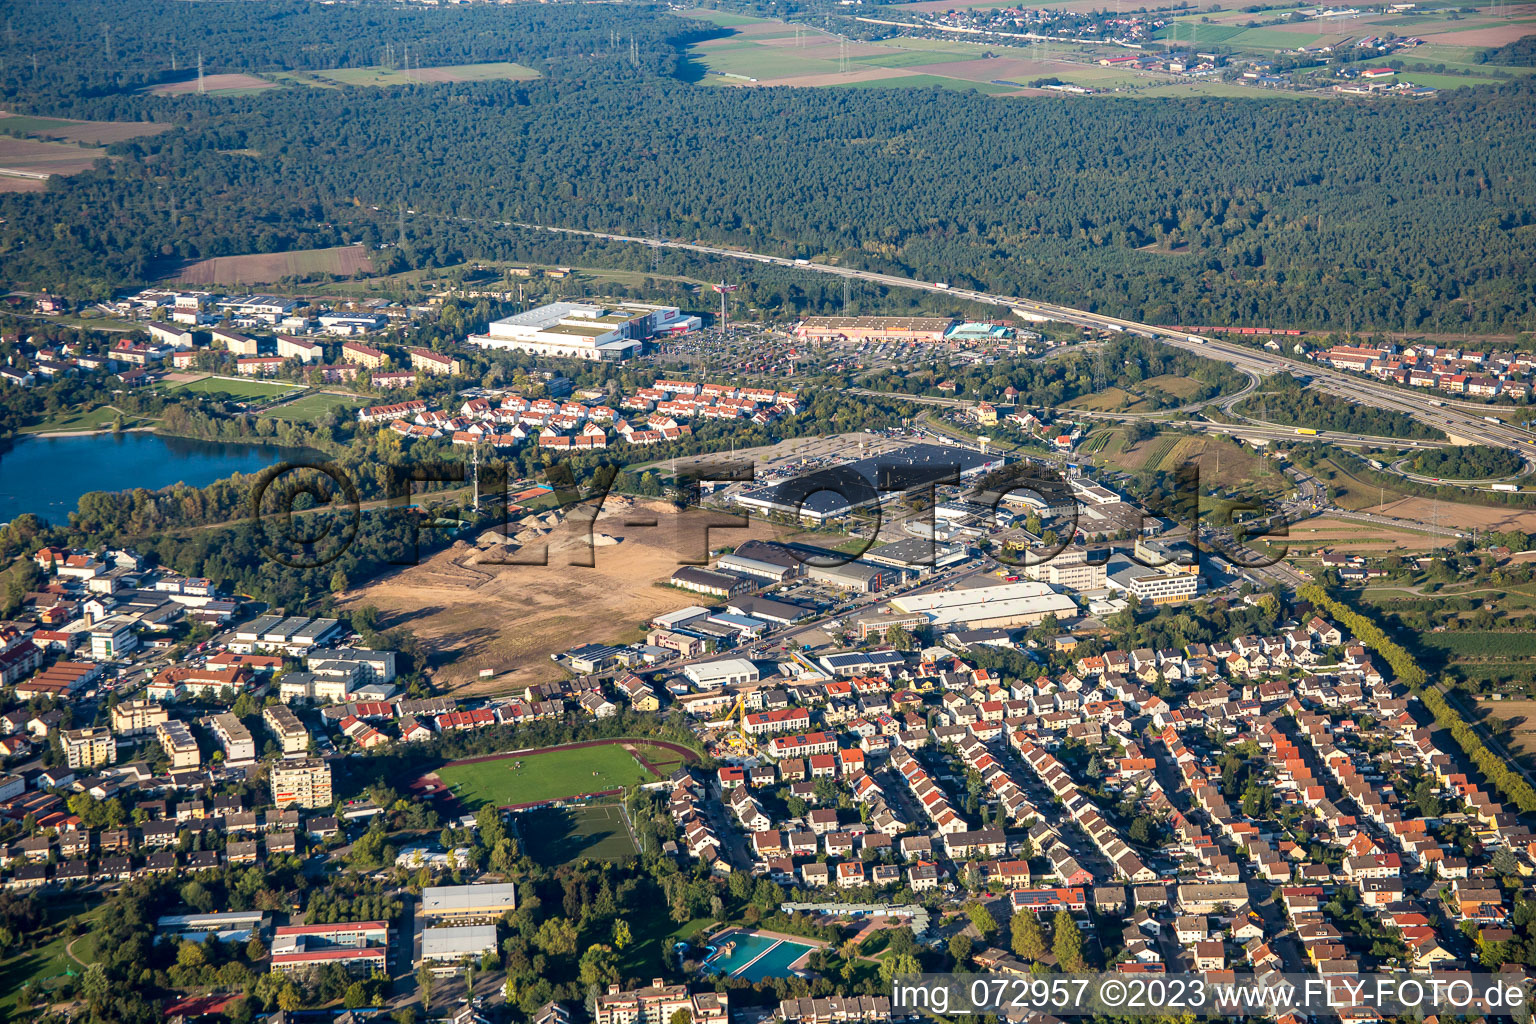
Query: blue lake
x=47 y=475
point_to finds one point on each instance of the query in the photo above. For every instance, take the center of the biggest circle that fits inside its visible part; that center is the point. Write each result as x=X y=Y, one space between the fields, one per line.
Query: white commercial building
x=726 y=672
x=445 y=949
x=579 y=330
x=1165 y=588
x=1001 y=606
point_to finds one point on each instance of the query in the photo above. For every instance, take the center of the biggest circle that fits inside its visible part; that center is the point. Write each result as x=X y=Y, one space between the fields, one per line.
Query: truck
x=1196 y=339
x=1507 y=488
x=1308 y=431
x=941 y=284
x=1493 y=419
x=802 y=263
x=1435 y=403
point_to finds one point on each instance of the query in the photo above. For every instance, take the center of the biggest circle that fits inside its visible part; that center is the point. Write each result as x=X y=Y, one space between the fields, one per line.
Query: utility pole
x=200 y=85
x=400 y=213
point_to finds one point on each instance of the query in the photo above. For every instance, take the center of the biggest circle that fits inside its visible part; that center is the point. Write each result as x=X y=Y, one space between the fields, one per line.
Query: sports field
x=560 y=835
x=561 y=773
x=313 y=407
x=238 y=388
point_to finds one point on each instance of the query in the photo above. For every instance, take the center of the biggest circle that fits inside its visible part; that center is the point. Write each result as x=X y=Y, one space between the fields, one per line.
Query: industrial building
x=919 y=554
x=712 y=675
x=708 y=581
x=856 y=576
x=834 y=492
x=1008 y=604
x=468 y=904
x=581 y=330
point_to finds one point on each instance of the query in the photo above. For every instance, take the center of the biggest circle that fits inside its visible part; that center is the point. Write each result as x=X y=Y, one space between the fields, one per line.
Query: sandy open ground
x=1481 y=517
x=510 y=618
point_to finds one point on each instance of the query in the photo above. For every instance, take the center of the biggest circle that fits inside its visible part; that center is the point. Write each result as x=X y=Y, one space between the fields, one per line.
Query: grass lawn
x=562 y=835
x=1435 y=81
x=313 y=406
x=238 y=388
x=722 y=19
x=653 y=932
x=99 y=418
x=381 y=76
x=42 y=964
x=553 y=775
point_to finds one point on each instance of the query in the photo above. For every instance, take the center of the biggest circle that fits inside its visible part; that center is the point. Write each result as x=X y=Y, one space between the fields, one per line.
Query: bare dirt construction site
x=1347 y=535
x=1447 y=514
x=475 y=614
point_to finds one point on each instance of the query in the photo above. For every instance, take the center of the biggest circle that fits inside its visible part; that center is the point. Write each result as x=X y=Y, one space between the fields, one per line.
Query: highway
x=1460 y=425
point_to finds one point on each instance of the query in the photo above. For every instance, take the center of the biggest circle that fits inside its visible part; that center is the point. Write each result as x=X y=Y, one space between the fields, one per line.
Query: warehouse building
x=833 y=492
x=711 y=675
x=860 y=577
x=708 y=581
x=918 y=554
x=990 y=607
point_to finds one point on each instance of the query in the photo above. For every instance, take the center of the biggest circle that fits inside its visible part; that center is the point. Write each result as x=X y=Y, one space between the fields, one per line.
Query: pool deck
x=778 y=937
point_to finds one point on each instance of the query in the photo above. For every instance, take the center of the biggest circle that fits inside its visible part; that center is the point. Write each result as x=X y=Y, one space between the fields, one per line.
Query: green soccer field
x=553 y=775
x=561 y=835
x=238 y=388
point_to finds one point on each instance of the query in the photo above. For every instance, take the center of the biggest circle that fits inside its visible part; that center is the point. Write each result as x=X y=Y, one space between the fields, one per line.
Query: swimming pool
x=755 y=957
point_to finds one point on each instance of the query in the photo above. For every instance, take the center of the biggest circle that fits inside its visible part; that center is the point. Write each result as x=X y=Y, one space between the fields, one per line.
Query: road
x=1470 y=429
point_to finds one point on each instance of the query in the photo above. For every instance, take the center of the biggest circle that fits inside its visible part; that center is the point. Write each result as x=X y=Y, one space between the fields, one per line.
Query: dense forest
x=1471 y=463
x=1198 y=210
x=1123 y=361
x=1520 y=53
x=1284 y=400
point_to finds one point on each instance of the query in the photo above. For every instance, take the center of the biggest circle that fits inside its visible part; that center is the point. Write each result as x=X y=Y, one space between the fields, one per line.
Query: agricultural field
x=1346 y=535
x=93 y=133
x=564 y=835
x=765 y=52
x=267 y=267
x=311 y=408
x=26 y=164
x=556 y=774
